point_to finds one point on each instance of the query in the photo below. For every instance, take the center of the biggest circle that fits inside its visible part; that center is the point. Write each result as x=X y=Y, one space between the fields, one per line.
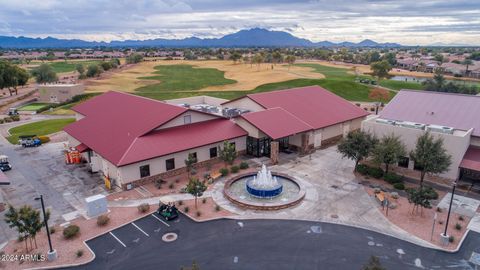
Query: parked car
x=4 y=164
x=29 y=141
x=168 y=211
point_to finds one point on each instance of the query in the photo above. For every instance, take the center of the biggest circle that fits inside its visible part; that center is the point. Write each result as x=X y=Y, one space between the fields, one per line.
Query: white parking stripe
x=140 y=229
x=117 y=239
x=166 y=224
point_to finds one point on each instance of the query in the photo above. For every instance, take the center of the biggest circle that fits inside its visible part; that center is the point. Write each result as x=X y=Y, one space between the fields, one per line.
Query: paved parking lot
x=264 y=244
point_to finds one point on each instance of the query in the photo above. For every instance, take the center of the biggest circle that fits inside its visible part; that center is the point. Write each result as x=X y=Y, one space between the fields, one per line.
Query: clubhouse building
x=133 y=140
x=454 y=118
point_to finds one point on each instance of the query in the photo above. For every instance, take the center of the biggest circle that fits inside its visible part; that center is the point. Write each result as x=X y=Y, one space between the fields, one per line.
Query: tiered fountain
x=263 y=190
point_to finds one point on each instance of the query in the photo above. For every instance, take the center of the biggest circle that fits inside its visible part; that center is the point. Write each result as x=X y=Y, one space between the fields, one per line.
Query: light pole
x=52 y=254
x=444 y=235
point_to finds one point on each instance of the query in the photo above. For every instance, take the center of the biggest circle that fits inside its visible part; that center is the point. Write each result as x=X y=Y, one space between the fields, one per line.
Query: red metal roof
x=435 y=108
x=180 y=138
x=471 y=159
x=312 y=104
x=276 y=122
x=114 y=120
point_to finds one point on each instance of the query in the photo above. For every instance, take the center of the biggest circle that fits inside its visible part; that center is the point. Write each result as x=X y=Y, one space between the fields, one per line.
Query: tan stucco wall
x=61 y=92
x=244 y=103
x=195 y=117
x=131 y=172
x=456 y=145
x=252 y=130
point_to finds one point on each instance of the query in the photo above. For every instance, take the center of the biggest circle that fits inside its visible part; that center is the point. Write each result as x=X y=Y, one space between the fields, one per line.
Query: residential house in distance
x=452 y=117
x=134 y=140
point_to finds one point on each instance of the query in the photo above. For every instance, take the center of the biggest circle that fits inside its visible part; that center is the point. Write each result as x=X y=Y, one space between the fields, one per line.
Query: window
x=187 y=119
x=144 y=171
x=417 y=167
x=403 y=162
x=213 y=152
x=194 y=156
x=170 y=164
x=234 y=146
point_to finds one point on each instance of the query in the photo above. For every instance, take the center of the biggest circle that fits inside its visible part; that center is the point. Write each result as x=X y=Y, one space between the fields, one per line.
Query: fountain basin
x=263 y=192
x=291 y=193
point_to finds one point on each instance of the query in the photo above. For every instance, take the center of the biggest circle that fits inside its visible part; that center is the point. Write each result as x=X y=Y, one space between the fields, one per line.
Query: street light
x=444 y=235
x=52 y=254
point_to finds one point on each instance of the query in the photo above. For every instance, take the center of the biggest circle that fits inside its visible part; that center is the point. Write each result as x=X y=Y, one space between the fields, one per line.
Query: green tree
x=258 y=59
x=26 y=221
x=235 y=57
x=388 y=151
x=290 y=59
x=228 y=153
x=373 y=264
x=196 y=188
x=44 y=74
x=380 y=69
x=277 y=57
x=421 y=197
x=467 y=63
x=93 y=70
x=134 y=58
x=430 y=155
x=357 y=145
x=80 y=69
x=191 y=159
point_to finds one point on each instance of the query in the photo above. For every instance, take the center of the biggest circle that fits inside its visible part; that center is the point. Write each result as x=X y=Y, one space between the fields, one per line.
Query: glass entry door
x=258 y=147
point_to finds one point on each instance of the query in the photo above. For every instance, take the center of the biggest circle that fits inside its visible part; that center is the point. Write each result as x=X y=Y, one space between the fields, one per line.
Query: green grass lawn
x=398 y=85
x=32 y=106
x=184 y=78
x=38 y=128
x=67 y=66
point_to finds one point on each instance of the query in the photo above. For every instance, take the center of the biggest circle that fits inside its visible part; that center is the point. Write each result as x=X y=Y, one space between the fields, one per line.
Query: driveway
x=42 y=170
x=264 y=244
x=333 y=194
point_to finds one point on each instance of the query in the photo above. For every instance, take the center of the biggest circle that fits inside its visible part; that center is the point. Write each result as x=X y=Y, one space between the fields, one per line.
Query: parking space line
x=117 y=239
x=166 y=224
x=140 y=229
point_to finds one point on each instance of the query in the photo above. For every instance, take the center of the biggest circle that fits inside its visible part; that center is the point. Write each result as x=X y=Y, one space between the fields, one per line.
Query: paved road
x=264 y=244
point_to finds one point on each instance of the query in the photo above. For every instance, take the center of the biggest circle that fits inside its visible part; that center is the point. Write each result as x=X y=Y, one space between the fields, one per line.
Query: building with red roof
x=452 y=117
x=133 y=140
x=301 y=118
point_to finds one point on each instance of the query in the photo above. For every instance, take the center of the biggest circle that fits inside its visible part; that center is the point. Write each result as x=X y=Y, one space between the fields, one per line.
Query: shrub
x=217 y=208
x=451 y=239
x=234 y=169
x=440 y=222
x=71 y=231
x=15 y=118
x=79 y=253
x=158 y=183
x=186 y=209
x=358 y=104
x=431 y=193
x=439 y=210
x=223 y=171
x=461 y=218
x=458 y=226
x=375 y=172
x=44 y=139
x=377 y=190
x=243 y=165
x=143 y=208
x=193 y=171
x=399 y=186
x=206 y=176
x=362 y=169
x=102 y=220
x=392 y=178
x=2 y=121
x=7 y=119
x=372 y=109
x=180 y=202
x=394 y=195
x=52 y=230
x=177 y=180
x=171 y=186
x=198 y=213
x=204 y=200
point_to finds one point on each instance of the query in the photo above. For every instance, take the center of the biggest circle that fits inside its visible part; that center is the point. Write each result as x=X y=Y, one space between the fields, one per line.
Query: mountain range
x=255 y=37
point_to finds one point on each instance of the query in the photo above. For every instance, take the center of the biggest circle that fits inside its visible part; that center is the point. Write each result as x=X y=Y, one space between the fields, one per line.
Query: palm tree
x=467 y=62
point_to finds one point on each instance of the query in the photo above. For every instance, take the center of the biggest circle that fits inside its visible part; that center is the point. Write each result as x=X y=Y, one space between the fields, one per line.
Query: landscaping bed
x=206 y=209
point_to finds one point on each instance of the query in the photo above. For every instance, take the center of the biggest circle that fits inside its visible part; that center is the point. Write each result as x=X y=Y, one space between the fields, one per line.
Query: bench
x=380 y=197
x=215 y=176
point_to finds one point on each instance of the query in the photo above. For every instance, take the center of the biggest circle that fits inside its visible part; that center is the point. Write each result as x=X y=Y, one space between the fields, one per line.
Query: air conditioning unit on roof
x=440 y=129
x=413 y=125
x=385 y=121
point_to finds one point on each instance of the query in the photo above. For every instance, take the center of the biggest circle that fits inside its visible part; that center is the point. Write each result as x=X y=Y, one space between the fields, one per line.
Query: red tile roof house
x=453 y=117
x=134 y=139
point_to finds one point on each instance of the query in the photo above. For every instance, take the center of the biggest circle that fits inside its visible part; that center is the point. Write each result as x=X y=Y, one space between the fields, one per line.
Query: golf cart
x=168 y=211
x=29 y=141
x=12 y=111
x=4 y=164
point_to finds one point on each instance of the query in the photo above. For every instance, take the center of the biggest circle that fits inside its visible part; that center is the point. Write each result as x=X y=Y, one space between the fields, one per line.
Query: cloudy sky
x=409 y=22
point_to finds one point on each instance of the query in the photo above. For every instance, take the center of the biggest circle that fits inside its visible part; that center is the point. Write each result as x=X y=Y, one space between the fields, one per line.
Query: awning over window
x=82 y=148
x=471 y=159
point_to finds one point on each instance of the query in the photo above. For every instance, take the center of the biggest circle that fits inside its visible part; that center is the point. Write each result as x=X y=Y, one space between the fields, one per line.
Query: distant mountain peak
x=253 y=37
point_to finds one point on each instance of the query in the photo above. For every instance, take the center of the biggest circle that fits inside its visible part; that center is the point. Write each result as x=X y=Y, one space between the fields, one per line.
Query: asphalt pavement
x=264 y=244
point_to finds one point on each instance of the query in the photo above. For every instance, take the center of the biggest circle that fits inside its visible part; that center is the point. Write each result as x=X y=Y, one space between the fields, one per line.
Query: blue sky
x=409 y=22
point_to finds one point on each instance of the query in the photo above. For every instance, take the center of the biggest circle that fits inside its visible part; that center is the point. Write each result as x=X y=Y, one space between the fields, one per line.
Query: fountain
x=263 y=190
x=264 y=185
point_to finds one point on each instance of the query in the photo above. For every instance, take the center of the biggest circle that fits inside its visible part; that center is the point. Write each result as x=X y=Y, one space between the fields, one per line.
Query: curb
x=91 y=251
